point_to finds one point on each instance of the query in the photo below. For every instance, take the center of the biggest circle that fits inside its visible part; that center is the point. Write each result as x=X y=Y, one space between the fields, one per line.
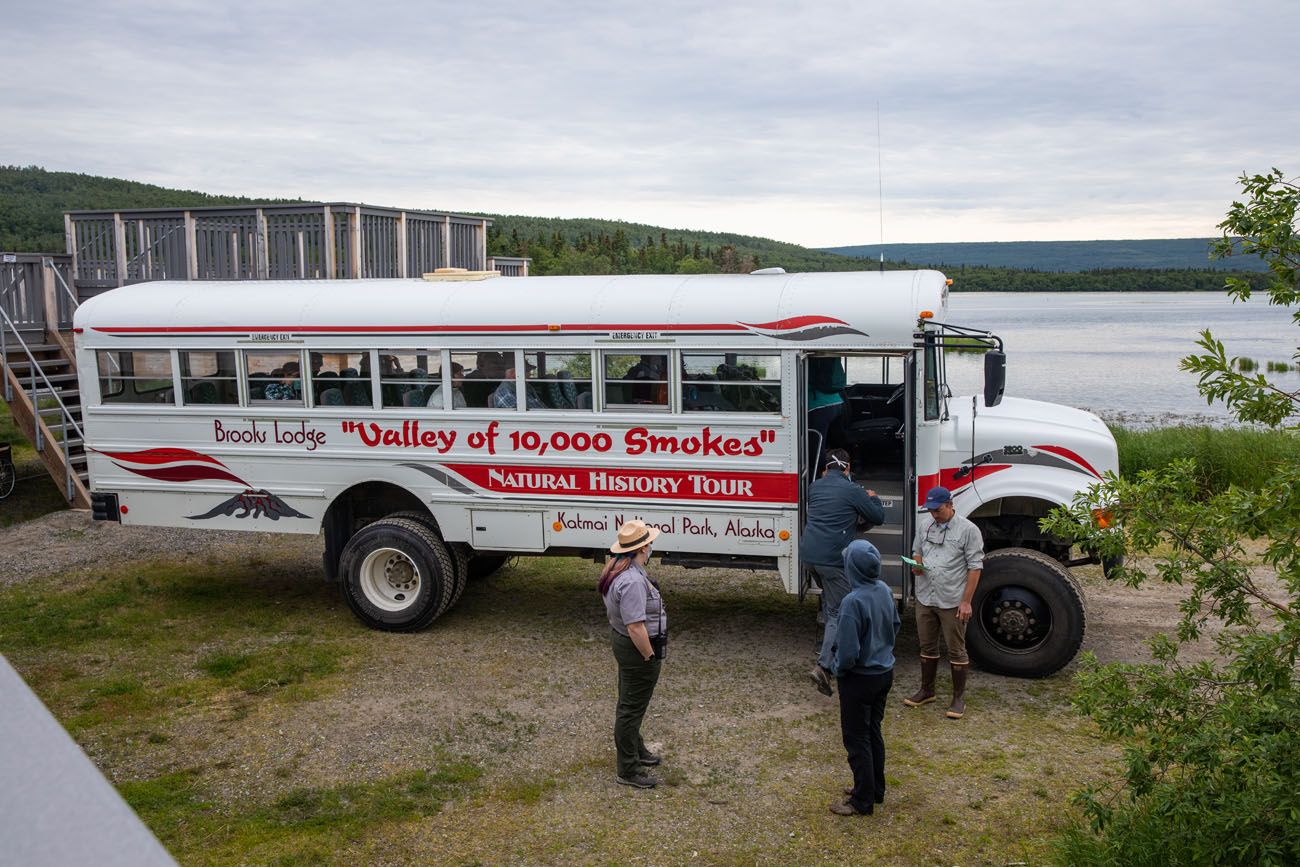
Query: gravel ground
x=70 y=542
x=517 y=680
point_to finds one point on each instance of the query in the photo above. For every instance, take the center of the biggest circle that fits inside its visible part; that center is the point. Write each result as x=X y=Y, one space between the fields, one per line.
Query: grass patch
x=125 y=652
x=305 y=825
x=1224 y=456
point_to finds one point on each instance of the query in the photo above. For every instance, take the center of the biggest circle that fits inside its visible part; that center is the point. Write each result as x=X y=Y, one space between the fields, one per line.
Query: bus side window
x=559 y=380
x=731 y=382
x=274 y=375
x=483 y=370
x=135 y=377
x=208 y=376
x=408 y=377
x=636 y=381
x=334 y=377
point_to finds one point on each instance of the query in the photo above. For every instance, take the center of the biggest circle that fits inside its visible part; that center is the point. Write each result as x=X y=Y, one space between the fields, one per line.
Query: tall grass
x=1224 y=456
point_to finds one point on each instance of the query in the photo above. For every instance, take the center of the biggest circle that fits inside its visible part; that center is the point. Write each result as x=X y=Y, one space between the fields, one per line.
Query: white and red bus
x=430 y=429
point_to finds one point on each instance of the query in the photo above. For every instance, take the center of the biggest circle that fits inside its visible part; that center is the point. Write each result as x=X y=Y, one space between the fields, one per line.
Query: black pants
x=820 y=420
x=862 y=707
x=636 y=684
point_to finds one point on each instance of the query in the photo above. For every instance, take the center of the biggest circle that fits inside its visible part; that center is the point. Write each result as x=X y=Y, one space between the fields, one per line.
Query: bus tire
x=461 y=556
x=483 y=565
x=397 y=575
x=1027 y=616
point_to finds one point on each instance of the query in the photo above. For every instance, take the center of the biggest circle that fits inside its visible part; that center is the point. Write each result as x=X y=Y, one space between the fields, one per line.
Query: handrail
x=48 y=262
x=36 y=368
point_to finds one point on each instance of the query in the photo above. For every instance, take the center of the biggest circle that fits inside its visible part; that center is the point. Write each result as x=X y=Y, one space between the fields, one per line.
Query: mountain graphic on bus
x=185 y=465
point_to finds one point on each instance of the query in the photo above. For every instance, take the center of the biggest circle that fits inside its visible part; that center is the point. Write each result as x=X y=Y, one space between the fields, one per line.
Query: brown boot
x=924 y=695
x=957 y=709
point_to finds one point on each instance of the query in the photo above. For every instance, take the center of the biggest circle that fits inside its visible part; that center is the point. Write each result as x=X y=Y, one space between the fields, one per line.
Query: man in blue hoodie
x=864 y=665
x=837 y=508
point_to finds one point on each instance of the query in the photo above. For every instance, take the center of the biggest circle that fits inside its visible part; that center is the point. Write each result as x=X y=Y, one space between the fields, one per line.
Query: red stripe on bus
x=1069 y=455
x=795 y=322
x=706 y=485
x=161 y=456
x=389 y=329
x=947 y=477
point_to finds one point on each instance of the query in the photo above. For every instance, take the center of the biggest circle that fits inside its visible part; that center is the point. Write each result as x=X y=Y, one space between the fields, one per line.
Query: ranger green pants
x=636 y=684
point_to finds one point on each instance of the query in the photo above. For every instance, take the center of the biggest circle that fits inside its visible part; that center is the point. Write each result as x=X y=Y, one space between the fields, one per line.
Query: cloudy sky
x=998 y=121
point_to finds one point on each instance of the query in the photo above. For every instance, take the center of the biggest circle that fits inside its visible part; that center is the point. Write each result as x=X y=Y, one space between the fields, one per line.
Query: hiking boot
x=879 y=799
x=821 y=679
x=846 y=808
x=957 y=708
x=924 y=695
x=638 y=781
x=648 y=759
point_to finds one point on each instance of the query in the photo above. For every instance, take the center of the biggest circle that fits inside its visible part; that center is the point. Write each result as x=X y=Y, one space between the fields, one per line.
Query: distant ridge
x=1154 y=253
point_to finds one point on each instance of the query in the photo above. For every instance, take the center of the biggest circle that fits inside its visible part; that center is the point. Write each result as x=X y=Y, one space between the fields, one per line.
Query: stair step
x=15 y=349
x=23 y=367
x=54 y=379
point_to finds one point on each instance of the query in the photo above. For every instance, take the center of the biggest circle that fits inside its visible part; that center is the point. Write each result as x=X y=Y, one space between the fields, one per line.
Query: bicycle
x=8 y=475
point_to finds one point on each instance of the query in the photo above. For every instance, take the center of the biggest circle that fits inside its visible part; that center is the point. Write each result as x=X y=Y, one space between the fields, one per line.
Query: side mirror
x=995 y=377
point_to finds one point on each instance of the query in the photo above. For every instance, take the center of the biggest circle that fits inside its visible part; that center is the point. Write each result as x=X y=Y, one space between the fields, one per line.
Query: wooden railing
x=271 y=242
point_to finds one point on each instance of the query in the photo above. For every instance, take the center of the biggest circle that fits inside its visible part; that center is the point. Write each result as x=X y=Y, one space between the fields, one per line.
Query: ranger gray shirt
x=631 y=599
x=948 y=551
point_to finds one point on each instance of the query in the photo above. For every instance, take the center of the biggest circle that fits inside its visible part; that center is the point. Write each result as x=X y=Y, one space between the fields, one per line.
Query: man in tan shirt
x=950 y=551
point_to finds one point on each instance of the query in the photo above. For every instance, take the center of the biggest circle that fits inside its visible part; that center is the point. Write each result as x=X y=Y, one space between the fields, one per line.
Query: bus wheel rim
x=390 y=580
x=1016 y=619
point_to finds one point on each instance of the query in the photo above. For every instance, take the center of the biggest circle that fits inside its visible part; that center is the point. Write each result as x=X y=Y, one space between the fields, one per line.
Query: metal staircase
x=39 y=368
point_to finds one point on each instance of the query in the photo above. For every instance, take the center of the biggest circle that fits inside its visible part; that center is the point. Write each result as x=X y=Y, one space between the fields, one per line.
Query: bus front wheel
x=1027 y=615
x=397 y=575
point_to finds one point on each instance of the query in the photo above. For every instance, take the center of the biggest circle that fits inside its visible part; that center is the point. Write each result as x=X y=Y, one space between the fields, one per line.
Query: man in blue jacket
x=864 y=665
x=836 y=508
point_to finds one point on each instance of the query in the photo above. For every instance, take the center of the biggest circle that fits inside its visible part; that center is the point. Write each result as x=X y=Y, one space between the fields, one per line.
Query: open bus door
x=876 y=428
x=806 y=475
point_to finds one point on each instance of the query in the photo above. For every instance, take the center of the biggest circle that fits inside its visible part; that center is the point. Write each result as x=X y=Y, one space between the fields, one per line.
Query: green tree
x=1212 y=747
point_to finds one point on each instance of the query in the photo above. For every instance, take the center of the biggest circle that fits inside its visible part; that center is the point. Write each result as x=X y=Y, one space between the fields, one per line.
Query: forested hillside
x=1144 y=254
x=32 y=202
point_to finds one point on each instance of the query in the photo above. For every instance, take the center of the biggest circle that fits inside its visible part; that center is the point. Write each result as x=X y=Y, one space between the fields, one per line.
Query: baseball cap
x=937 y=497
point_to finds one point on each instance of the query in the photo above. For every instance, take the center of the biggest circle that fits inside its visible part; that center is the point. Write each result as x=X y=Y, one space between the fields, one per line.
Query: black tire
x=1028 y=615
x=484 y=565
x=460 y=554
x=8 y=477
x=397 y=575
x=461 y=557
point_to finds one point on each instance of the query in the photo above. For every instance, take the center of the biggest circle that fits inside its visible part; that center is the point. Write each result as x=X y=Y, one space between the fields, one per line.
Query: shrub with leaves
x=1212 y=747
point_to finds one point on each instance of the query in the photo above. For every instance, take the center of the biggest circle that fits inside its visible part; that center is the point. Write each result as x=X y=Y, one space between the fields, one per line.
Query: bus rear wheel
x=397 y=575
x=1027 y=617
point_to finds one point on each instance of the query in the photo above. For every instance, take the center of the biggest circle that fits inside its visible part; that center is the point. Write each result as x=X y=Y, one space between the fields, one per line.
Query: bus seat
x=331 y=397
x=203 y=392
x=584 y=400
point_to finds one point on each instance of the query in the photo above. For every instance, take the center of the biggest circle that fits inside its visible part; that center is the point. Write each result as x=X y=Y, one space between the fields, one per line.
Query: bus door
x=873 y=429
x=872 y=426
x=803 y=462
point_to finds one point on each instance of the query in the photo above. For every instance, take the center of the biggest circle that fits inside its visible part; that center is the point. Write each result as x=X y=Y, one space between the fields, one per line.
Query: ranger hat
x=633 y=535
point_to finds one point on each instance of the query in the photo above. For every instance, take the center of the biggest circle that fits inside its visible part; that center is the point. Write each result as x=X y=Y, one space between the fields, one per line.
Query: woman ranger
x=639 y=638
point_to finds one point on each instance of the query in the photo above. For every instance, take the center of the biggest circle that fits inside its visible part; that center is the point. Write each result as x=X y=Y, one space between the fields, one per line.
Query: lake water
x=1117 y=353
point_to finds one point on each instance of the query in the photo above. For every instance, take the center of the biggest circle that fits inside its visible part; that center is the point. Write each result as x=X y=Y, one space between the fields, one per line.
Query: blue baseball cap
x=937 y=497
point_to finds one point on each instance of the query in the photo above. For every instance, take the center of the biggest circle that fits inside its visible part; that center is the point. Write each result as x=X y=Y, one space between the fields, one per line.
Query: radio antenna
x=880 y=190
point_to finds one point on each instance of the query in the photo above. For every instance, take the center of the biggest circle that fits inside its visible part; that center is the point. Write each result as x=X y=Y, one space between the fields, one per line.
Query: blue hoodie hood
x=861 y=562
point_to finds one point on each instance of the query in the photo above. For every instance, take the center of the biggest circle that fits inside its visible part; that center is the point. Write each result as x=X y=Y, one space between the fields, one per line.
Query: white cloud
x=999 y=120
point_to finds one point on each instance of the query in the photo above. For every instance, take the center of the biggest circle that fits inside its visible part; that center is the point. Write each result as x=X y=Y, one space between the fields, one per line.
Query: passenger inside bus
x=457 y=396
x=504 y=395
